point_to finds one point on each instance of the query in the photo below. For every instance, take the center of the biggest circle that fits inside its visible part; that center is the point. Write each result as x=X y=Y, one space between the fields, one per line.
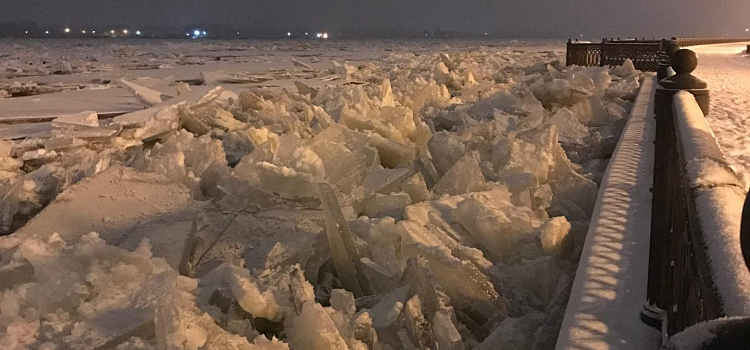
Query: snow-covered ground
x=338 y=195
x=726 y=69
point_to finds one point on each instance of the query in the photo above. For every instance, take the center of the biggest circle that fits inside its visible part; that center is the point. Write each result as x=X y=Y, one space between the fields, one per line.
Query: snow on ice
x=413 y=202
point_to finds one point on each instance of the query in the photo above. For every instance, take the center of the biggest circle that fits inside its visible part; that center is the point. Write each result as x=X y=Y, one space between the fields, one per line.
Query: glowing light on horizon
x=288 y=33
x=83 y=32
x=46 y=32
x=196 y=32
x=125 y=31
x=325 y=35
x=67 y=30
x=137 y=32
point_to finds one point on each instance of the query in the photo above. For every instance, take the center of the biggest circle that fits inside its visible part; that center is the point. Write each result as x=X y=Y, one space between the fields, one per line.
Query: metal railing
x=695 y=269
x=643 y=53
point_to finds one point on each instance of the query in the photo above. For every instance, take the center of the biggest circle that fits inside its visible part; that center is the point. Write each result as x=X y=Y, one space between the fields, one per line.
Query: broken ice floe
x=440 y=205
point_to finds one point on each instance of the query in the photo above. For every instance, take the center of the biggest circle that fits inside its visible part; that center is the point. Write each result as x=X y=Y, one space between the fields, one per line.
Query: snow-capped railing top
x=693 y=41
x=718 y=197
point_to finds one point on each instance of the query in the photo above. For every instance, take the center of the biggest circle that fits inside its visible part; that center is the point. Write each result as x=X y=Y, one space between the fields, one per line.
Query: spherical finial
x=684 y=61
x=671 y=48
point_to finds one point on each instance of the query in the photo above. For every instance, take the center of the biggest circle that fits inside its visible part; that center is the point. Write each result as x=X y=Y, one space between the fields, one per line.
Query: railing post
x=666 y=181
x=745 y=231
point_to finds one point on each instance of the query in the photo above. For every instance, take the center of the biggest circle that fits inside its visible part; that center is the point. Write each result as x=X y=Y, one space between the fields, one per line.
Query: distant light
x=137 y=32
x=238 y=33
x=125 y=31
x=187 y=34
x=325 y=35
x=485 y=34
x=67 y=30
x=93 y=32
x=83 y=32
x=204 y=33
x=288 y=33
x=46 y=32
x=319 y=35
x=197 y=32
x=306 y=34
x=581 y=35
x=112 y=31
x=27 y=32
x=747 y=30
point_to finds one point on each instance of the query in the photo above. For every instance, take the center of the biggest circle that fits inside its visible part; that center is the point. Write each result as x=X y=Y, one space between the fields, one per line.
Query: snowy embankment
x=432 y=201
x=725 y=68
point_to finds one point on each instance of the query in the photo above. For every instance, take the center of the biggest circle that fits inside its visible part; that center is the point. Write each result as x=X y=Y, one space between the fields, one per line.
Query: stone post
x=745 y=231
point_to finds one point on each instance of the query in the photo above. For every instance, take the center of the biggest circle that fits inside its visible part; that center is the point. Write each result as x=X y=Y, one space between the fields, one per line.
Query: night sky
x=592 y=18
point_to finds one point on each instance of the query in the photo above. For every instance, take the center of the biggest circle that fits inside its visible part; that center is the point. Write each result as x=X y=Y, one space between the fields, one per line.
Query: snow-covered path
x=726 y=69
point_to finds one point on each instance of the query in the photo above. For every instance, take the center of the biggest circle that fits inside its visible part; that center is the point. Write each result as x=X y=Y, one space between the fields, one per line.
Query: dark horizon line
x=29 y=29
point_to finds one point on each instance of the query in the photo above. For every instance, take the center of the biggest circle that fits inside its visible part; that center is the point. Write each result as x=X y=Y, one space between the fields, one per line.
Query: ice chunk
x=554 y=234
x=626 y=69
x=251 y=101
x=381 y=279
x=385 y=313
x=392 y=154
x=315 y=330
x=301 y=290
x=298 y=63
x=385 y=181
x=599 y=75
x=446 y=149
x=427 y=169
x=277 y=178
x=387 y=205
x=538 y=276
x=344 y=253
x=158 y=124
x=570 y=130
x=419 y=329
x=625 y=89
x=566 y=92
x=446 y=333
x=305 y=89
x=499 y=230
x=218 y=77
x=416 y=187
x=431 y=94
x=85 y=119
x=343 y=301
x=237 y=144
x=576 y=189
x=464 y=176
x=386 y=94
x=467 y=287
x=148 y=97
x=513 y=333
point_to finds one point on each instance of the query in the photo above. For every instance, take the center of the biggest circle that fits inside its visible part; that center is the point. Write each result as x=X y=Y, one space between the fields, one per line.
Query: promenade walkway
x=726 y=69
